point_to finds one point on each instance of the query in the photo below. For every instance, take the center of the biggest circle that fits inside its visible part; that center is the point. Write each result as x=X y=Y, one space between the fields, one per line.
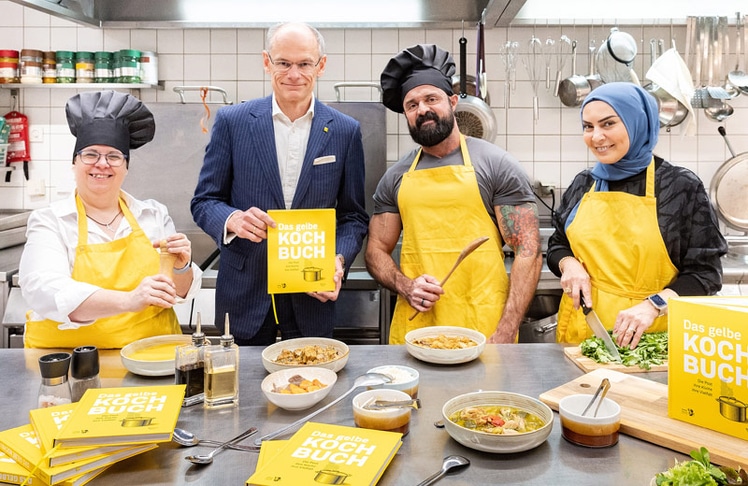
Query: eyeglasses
x=90 y=157
x=306 y=67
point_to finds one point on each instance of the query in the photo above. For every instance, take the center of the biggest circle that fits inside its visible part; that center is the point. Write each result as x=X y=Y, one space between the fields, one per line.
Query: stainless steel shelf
x=11 y=86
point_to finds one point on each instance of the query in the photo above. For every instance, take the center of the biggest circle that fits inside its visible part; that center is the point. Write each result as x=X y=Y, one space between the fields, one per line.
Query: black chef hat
x=415 y=66
x=110 y=118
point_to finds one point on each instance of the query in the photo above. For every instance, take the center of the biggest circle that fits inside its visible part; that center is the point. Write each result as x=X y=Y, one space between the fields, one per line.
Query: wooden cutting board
x=574 y=353
x=644 y=415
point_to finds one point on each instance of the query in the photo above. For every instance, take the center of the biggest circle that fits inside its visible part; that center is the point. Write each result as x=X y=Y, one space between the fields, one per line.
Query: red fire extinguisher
x=18 y=142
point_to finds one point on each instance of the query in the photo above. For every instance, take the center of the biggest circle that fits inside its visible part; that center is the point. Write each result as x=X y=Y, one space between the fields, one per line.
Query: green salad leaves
x=700 y=472
x=652 y=350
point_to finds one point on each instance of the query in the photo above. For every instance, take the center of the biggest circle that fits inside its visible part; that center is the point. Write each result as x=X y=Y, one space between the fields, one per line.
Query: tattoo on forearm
x=519 y=227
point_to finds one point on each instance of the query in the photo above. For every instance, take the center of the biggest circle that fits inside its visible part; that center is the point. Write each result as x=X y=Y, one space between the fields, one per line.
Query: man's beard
x=432 y=134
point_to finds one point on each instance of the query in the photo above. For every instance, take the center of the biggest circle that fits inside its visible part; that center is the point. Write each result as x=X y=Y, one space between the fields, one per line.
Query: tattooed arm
x=519 y=228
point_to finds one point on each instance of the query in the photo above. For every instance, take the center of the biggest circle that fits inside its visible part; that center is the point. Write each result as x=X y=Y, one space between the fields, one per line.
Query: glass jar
x=49 y=68
x=116 y=67
x=103 y=67
x=8 y=66
x=30 y=66
x=65 y=66
x=84 y=67
x=55 y=388
x=129 y=66
x=148 y=67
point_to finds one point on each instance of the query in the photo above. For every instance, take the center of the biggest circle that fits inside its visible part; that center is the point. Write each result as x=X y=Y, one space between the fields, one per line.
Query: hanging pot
x=671 y=111
x=573 y=90
x=474 y=116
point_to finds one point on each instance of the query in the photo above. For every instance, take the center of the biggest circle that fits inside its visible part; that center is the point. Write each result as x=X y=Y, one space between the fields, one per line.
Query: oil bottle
x=222 y=372
x=189 y=364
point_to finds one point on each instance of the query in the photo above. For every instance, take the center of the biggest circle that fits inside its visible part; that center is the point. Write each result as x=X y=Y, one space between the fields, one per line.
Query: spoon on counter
x=367 y=379
x=205 y=459
x=188 y=439
x=450 y=463
x=383 y=404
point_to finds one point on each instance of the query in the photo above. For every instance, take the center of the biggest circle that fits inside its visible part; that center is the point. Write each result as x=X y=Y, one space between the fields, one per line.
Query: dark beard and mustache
x=433 y=134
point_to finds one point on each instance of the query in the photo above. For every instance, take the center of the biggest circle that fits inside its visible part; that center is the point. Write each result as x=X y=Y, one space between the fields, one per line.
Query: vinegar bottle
x=189 y=364
x=222 y=372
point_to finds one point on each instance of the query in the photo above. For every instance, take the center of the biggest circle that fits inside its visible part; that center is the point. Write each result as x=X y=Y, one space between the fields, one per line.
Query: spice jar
x=84 y=67
x=84 y=371
x=103 y=67
x=55 y=388
x=129 y=66
x=30 y=66
x=49 y=68
x=8 y=66
x=65 y=67
x=116 y=67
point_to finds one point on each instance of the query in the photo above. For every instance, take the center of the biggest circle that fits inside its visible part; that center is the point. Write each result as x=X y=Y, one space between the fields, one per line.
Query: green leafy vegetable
x=651 y=350
x=700 y=472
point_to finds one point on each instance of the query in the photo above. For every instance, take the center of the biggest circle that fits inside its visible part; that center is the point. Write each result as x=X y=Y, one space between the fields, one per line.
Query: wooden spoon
x=463 y=254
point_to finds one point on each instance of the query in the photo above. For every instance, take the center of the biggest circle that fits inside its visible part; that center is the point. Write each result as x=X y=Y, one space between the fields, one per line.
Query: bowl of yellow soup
x=153 y=356
x=497 y=421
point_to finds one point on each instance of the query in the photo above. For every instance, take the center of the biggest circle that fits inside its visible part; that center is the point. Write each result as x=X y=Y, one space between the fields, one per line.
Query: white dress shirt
x=45 y=271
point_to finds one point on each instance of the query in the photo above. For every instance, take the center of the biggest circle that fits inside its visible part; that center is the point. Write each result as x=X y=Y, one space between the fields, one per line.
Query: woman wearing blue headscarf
x=634 y=230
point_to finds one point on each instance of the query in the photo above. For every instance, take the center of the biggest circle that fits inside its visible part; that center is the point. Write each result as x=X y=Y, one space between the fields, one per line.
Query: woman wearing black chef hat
x=90 y=268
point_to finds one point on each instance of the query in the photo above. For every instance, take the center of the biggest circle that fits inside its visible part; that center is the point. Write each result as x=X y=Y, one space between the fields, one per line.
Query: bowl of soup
x=445 y=344
x=153 y=356
x=497 y=421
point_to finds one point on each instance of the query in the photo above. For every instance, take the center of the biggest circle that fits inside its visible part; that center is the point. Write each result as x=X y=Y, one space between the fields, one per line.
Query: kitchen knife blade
x=597 y=327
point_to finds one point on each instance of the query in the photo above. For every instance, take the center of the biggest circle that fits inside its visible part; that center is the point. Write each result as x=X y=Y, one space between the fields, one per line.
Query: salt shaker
x=55 y=388
x=84 y=371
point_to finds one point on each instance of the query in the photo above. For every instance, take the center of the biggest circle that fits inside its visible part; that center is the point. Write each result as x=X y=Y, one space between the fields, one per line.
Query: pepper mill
x=55 y=388
x=84 y=371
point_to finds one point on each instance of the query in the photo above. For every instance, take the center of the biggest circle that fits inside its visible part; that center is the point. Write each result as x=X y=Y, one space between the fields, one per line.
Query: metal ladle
x=367 y=379
x=188 y=439
x=450 y=463
x=205 y=459
x=604 y=387
x=719 y=112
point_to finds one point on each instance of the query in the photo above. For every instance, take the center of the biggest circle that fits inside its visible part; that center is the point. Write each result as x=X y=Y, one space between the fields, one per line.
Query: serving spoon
x=204 y=459
x=470 y=248
x=188 y=439
x=383 y=404
x=449 y=463
x=367 y=379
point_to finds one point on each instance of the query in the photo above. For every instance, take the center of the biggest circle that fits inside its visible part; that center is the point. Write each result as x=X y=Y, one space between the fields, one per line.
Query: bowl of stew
x=497 y=421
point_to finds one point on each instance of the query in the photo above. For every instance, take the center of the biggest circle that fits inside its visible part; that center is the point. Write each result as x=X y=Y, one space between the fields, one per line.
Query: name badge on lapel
x=327 y=159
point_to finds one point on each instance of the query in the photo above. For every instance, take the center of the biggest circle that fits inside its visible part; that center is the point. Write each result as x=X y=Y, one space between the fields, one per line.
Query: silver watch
x=659 y=303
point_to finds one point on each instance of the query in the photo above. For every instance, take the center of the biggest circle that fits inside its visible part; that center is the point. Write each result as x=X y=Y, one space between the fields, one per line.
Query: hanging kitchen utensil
x=535 y=72
x=18 y=150
x=564 y=51
x=509 y=55
x=481 y=82
x=671 y=111
x=616 y=57
x=549 y=51
x=474 y=117
x=727 y=190
x=738 y=77
x=574 y=89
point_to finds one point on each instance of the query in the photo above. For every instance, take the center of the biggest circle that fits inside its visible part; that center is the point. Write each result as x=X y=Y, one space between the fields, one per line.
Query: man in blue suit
x=285 y=151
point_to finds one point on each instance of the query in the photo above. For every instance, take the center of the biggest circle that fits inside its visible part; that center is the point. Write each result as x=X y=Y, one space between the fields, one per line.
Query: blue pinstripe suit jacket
x=240 y=170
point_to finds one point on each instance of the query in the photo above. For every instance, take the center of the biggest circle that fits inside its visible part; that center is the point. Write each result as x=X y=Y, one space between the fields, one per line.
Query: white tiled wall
x=550 y=149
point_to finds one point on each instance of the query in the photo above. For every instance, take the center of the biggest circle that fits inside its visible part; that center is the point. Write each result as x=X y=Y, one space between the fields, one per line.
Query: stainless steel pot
x=573 y=90
x=671 y=111
x=732 y=409
x=474 y=116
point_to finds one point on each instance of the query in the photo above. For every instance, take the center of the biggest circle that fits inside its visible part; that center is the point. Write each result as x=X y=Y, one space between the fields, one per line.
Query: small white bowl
x=404 y=378
x=445 y=356
x=389 y=419
x=589 y=430
x=153 y=356
x=299 y=401
x=501 y=443
x=270 y=353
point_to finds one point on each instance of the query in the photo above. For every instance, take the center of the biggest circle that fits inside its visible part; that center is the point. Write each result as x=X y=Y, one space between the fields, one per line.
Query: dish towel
x=670 y=72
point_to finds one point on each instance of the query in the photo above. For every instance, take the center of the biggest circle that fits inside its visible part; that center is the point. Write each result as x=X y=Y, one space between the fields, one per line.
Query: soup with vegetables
x=494 y=419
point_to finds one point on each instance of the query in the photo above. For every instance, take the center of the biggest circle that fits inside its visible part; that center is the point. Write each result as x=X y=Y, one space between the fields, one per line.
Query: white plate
x=270 y=353
x=445 y=356
x=152 y=366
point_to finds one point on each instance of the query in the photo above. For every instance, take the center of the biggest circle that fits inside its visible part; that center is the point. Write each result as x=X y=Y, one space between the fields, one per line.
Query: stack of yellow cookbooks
x=73 y=443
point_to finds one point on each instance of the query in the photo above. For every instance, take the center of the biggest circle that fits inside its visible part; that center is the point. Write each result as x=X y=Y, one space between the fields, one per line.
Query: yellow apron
x=117 y=265
x=618 y=238
x=442 y=211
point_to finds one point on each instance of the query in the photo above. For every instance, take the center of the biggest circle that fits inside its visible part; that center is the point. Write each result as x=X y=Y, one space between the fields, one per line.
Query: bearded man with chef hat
x=443 y=195
x=90 y=269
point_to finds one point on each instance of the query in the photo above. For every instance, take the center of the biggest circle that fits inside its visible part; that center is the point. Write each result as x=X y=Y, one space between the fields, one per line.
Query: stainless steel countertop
x=530 y=369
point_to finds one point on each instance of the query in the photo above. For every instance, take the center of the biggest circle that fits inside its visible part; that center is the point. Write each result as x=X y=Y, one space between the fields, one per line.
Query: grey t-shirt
x=501 y=180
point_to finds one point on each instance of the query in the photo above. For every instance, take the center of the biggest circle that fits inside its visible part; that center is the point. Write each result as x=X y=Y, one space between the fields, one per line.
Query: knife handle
x=585 y=309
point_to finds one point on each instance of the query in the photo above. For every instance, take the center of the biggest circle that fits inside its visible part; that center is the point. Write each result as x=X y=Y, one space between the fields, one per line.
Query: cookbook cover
x=120 y=416
x=21 y=445
x=708 y=370
x=329 y=454
x=47 y=422
x=301 y=251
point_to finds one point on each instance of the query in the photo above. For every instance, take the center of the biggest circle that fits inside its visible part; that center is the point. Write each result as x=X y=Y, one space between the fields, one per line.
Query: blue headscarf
x=639 y=113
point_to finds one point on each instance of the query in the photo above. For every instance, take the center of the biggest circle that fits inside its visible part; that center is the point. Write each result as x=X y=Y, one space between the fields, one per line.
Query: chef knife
x=597 y=327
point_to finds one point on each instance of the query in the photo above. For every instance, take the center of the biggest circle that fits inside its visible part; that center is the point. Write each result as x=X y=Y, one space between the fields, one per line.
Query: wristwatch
x=659 y=303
